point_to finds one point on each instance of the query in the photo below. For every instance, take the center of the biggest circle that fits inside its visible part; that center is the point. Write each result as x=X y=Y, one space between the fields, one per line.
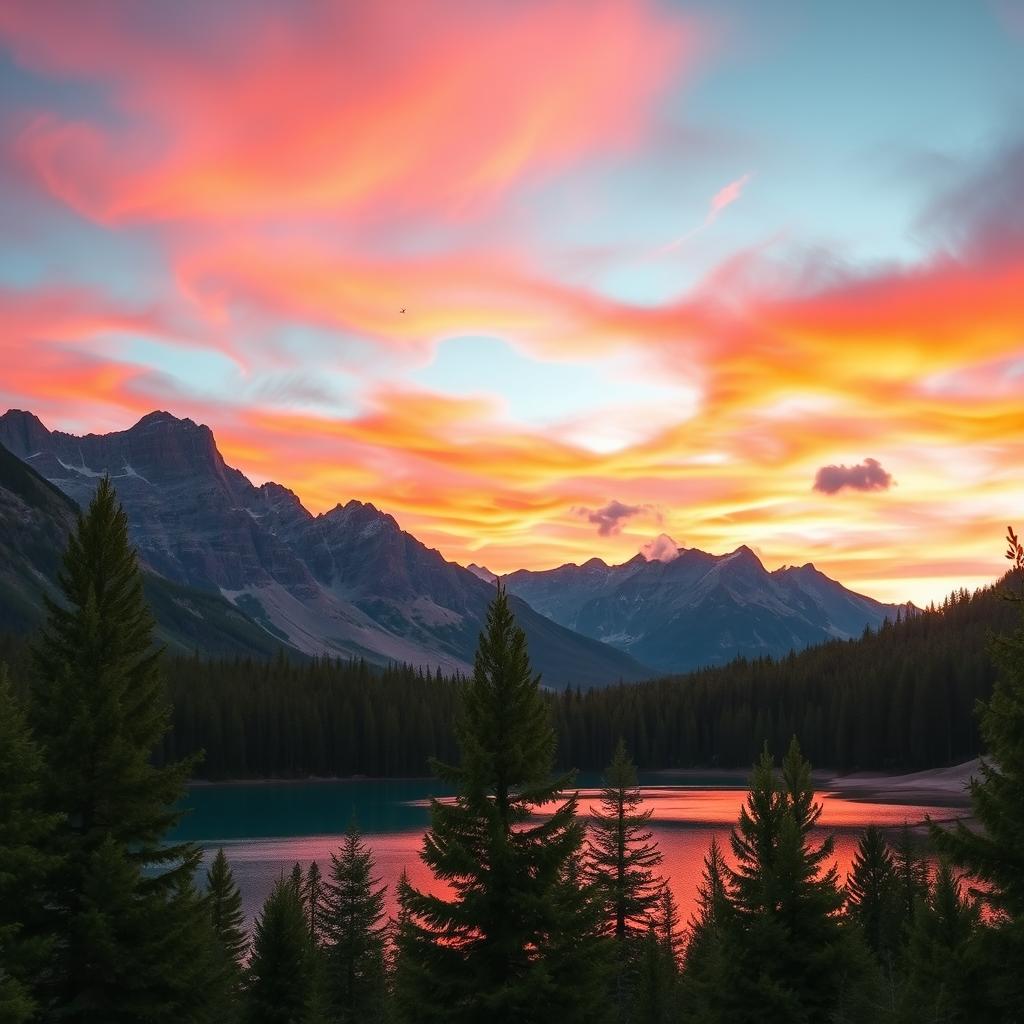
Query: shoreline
x=939 y=787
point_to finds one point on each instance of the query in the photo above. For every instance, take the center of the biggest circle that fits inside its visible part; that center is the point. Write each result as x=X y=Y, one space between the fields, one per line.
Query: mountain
x=349 y=582
x=35 y=520
x=483 y=572
x=698 y=609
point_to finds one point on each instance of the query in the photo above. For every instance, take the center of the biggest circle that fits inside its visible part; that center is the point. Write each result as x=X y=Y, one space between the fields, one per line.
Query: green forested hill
x=901 y=698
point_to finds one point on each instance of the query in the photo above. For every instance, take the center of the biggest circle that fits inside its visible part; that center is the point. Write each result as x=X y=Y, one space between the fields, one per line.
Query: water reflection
x=266 y=828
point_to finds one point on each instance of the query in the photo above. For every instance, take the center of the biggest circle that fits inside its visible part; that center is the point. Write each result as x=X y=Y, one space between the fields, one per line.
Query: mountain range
x=699 y=609
x=237 y=568
x=348 y=582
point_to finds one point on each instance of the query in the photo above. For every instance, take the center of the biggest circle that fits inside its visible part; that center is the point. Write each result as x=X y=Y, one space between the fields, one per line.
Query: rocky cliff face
x=35 y=521
x=699 y=609
x=348 y=582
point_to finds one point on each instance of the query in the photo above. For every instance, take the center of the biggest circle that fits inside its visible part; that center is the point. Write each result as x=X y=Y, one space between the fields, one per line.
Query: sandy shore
x=942 y=787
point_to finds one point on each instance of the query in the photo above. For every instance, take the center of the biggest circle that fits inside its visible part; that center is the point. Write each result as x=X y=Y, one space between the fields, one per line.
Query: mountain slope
x=698 y=609
x=35 y=520
x=348 y=582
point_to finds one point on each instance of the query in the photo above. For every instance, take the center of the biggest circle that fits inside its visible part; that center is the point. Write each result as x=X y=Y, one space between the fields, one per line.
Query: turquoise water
x=265 y=828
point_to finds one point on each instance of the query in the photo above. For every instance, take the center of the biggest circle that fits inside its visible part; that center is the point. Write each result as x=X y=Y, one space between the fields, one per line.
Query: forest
x=901 y=698
x=535 y=917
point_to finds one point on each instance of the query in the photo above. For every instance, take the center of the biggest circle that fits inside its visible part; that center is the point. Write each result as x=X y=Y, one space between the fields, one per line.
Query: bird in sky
x=402 y=310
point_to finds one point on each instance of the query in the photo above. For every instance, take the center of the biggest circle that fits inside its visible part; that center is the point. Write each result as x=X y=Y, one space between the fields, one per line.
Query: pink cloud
x=725 y=196
x=377 y=114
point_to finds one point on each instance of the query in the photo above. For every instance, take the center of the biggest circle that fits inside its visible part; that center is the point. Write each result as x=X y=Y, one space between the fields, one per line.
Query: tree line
x=536 y=915
x=899 y=698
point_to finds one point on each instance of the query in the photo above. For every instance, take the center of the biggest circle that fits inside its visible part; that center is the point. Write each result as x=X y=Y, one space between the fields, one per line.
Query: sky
x=544 y=280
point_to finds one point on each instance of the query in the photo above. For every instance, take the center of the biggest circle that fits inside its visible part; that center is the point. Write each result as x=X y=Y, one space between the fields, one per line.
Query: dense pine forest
x=901 y=698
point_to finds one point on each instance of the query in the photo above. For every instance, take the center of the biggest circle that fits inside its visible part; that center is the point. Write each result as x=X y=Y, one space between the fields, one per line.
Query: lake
x=265 y=827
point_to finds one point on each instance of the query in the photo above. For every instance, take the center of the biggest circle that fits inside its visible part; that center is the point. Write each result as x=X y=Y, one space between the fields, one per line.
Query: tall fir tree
x=788 y=955
x=995 y=853
x=704 y=963
x=354 y=927
x=621 y=857
x=873 y=898
x=514 y=941
x=126 y=917
x=224 y=903
x=313 y=898
x=25 y=865
x=282 y=976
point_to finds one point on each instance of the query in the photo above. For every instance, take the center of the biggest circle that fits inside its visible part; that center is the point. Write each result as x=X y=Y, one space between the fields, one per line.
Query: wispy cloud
x=723 y=198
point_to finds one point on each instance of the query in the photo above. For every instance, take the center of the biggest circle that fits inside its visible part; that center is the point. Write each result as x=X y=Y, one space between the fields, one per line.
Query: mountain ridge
x=699 y=609
x=348 y=582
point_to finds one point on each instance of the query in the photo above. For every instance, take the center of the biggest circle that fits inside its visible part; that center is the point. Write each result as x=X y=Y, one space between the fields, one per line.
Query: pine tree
x=667 y=927
x=704 y=964
x=25 y=834
x=788 y=952
x=225 y=903
x=313 y=898
x=941 y=985
x=513 y=943
x=911 y=880
x=353 y=922
x=995 y=855
x=119 y=900
x=281 y=985
x=620 y=866
x=872 y=896
x=658 y=974
x=621 y=856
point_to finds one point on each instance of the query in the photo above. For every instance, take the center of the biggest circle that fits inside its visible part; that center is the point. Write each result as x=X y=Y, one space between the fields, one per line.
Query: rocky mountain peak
x=22 y=431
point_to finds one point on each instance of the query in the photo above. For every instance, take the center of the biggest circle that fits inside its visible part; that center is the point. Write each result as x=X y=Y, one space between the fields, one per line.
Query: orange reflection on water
x=683 y=822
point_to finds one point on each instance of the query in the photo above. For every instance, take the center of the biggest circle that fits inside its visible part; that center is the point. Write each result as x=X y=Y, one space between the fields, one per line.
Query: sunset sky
x=729 y=272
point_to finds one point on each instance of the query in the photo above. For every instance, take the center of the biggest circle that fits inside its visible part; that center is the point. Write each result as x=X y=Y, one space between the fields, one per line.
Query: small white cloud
x=662 y=549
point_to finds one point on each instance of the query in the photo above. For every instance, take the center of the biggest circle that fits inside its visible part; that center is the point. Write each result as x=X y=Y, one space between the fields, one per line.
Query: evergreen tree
x=941 y=985
x=119 y=901
x=282 y=972
x=513 y=942
x=225 y=903
x=995 y=854
x=872 y=897
x=25 y=834
x=313 y=897
x=354 y=928
x=621 y=856
x=658 y=974
x=704 y=964
x=620 y=866
x=911 y=879
x=788 y=956
x=667 y=927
